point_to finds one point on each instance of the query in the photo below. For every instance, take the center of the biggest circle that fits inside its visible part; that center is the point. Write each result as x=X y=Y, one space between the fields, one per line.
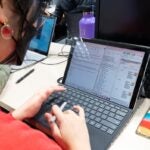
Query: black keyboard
x=98 y=112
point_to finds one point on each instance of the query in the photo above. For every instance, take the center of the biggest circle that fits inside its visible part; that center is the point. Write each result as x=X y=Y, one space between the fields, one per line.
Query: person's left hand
x=32 y=106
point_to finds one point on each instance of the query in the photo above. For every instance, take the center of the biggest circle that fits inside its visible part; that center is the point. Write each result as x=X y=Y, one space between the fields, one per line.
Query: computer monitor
x=40 y=44
x=124 y=21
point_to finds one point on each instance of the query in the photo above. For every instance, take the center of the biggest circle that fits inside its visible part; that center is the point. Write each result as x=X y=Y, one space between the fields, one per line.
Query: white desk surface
x=15 y=95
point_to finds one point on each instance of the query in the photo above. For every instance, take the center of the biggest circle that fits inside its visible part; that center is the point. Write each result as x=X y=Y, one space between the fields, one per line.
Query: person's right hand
x=69 y=130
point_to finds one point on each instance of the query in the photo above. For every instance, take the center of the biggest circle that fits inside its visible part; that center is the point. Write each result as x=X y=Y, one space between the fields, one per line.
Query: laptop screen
x=41 y=42
x=106 y=71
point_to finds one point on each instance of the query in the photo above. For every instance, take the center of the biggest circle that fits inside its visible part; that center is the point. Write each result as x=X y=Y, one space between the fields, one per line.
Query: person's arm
x=69 y=130
x=33 y=105
x=64 y=6
x=58 y=12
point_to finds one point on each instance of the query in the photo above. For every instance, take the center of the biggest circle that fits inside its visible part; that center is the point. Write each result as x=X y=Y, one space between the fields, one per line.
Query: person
x=4 y=75
x=68 y=13
x=17 y=33
x=69 y=131
x=65 y=6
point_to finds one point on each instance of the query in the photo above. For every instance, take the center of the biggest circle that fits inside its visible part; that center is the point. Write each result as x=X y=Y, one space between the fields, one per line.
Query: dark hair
x=29 y=11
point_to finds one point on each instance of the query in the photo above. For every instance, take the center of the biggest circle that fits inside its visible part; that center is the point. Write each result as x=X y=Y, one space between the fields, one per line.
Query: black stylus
x=23 y=77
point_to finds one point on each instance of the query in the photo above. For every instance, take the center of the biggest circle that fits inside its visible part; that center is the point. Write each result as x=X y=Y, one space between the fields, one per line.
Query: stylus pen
x=53 y=119
x=24 y=76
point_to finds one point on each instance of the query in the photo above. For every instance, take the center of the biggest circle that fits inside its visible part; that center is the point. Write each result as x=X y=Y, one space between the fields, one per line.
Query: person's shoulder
x=4 y=75
x=18 y=135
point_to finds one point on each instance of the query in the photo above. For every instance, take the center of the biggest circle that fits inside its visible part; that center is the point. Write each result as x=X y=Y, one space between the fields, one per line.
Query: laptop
x=40 y=44
x=105 y=78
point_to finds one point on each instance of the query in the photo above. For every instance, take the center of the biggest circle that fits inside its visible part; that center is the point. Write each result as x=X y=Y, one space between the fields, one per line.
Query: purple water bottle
x=87 y=25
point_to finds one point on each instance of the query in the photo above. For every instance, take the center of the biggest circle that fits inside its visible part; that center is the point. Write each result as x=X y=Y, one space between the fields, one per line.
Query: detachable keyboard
x=99 y=113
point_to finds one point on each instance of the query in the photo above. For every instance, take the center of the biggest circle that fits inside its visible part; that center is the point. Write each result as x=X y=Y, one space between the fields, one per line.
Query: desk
x=15 y=95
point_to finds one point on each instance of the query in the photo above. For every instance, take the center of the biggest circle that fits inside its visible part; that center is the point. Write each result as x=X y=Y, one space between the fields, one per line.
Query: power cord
x=57 y=63
x=13 y=70
x=62 y=53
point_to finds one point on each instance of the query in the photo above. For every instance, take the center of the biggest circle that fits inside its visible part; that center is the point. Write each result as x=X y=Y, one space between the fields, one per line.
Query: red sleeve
x=16 y=135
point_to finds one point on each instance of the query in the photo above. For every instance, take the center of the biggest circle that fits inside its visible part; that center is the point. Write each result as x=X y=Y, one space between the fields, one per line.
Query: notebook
x=105 y=79
x=40 y=44
x=143 y=128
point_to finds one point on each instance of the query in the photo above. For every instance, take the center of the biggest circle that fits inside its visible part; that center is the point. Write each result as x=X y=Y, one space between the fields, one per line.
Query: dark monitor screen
x=124 y=21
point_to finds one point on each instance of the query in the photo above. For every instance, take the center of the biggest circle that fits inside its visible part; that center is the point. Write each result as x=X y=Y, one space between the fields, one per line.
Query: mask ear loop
x=6 y=31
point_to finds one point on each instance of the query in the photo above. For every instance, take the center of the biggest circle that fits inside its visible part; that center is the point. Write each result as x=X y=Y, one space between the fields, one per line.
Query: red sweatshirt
x=16 y=135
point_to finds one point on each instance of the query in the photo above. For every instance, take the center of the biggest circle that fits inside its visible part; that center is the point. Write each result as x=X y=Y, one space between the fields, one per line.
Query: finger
x=58 y=113
x=55 y=89
x=48 y=117
x=55 y=132
x=80 y=110
x=44 y=94
x=69 y=112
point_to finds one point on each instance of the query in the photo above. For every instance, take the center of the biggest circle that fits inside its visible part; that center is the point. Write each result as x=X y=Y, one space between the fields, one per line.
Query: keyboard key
x=98 y=125
x=87 y=114
x=97 y=119
x=107 y=107
x=98 y=114
x=110 y=131
x=122 y=109
x=106 y=112
x=87 y=109
x=118 y=117
x=108 y=124
x=91 y=122
x=93 y=112
x=113 y=109
x=103 y=128
x=90 y=105
x=95 y=107
x=120 y=113
x=100 y=109
x=114 y=121
x=91 y=117
x=97 y=103
x=112 y=114
x=104 y=116
x=102 y=105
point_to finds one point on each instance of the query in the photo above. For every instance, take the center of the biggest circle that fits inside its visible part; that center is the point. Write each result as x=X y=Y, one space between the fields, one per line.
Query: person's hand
x=69 y=130
x=32 y=106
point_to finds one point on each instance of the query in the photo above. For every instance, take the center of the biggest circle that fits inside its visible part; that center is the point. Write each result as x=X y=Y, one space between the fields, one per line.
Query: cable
x=62 y=53
x=57 y=63
x=13 y=70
